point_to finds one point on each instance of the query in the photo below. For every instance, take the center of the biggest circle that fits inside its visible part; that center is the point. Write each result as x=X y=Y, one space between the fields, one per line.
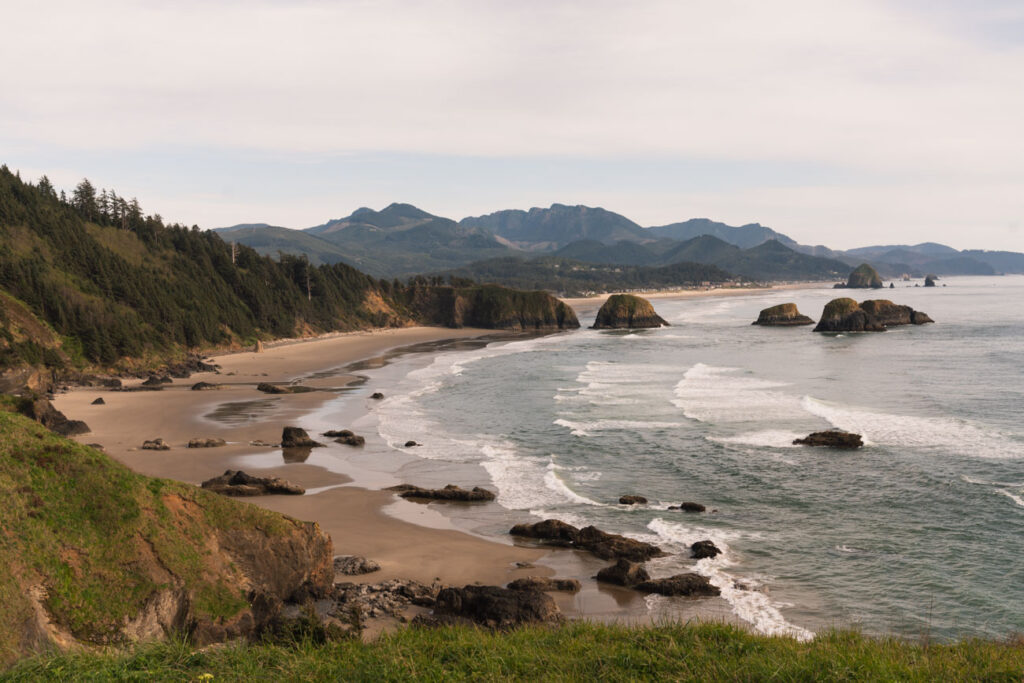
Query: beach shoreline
x=409 y=540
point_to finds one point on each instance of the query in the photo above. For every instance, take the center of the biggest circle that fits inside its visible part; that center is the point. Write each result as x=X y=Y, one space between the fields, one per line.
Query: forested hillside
x=91 y=280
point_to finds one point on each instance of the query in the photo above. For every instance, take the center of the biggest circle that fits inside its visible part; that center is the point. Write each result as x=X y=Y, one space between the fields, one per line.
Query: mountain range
x=402 y=240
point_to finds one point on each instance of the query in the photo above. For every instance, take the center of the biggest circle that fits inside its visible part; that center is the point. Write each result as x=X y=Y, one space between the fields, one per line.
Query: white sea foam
x=608 y=383
x=716 y=394
x=1015 y=497
x=588 y=428
x=946 y=433
x=771 y=438
x=752 y=606
x=525 y=482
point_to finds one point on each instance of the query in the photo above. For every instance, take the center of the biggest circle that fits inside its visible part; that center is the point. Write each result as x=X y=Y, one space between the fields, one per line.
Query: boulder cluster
x=875 y=315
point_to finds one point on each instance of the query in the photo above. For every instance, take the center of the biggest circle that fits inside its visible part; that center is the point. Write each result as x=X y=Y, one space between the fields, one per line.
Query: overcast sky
x=839 y=123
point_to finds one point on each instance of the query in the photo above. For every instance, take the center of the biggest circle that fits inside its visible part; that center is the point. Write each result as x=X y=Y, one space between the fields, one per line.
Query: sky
x=838 y=123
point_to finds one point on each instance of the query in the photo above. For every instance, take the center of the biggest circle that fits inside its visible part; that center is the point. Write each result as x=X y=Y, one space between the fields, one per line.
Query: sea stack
x=929 y=280
x=783 y=315
x=625 y=311
x=846 y=315
x=889 y=314
x=864 y=277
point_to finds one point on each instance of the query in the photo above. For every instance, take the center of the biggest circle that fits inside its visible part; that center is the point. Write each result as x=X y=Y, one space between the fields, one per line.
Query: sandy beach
x=409 y=540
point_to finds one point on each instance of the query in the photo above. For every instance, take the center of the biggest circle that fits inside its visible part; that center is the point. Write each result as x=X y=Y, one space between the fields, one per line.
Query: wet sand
x=239 y=414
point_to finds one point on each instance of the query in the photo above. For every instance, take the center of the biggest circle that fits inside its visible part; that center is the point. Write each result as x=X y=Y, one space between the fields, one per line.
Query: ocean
x=921 y=532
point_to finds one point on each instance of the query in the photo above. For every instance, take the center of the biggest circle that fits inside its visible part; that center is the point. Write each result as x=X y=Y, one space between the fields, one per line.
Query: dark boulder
x=632 y=500
x=613 y=546
x=703 y=549
x=498 y=608
x=410 y=444
x=99 y=402
x=238 y=483
x=551 y=530
x=296 y=437
x=832 y=438
x=593 y=540
x=624 y=573
x=377 y=396
x=339 y=432
x=545 y=584
x=625 y=311
x=43 y=412
x=351 y=440
x=206 y=443
x=451 y=492
x=783 y=315
x=204 y=386
x=846 y=315
x=268 y=388
x=155 y=445
x=929 y=280
x=681 y=584
x=688 y=507
x=155 y=381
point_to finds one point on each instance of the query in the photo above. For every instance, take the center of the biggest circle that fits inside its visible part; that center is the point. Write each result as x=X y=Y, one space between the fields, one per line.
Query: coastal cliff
x=489 y=307
x=626 y=311
x=93 y=554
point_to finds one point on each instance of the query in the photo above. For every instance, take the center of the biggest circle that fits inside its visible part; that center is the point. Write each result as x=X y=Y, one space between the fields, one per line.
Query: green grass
x=99 y=540
x=580 y=652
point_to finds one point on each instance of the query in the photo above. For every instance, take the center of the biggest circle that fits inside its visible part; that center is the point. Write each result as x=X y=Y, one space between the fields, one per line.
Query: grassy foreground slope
x=92 y=553
x=577 y=652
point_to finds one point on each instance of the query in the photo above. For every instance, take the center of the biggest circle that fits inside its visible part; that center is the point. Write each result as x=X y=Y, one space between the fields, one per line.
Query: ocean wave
x=1015 y=497
x=526 y=482
x=718 y=394
x=770 y=438
x=753 y=606
x=587 y=428
x=886 y=429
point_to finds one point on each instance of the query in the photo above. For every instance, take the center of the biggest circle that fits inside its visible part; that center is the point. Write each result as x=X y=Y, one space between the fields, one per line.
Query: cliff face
x=846 y=315
x=490 y=307
x=95 y=554
x=864 y=277
x=783 y=315
x=625 y=311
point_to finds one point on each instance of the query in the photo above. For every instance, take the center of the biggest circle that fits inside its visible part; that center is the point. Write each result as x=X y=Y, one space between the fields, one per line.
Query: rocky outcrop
x=600 y=543
x=624 y=573
x=385 y=599
x=632 y=500
x=238 y=483
x=268 y=388
x=377 y=396
x=157 y=380
x=625 y=311
x=42 y=411
x=929 y=280
x=890 y=314
x=354 y=565
x=207 y=443
x=832 y=438
x=864 y=277
x=688 y=507
x=689 y=584
x=545 y=584
x=410 y=443
x=99 y=402
x=155 y=445
x=451 y=492
x=704 y=549
x=846 y=315
x=296 y=437
x=346 y=436
x=204 y=386
x=783 y=315
x=497 y=608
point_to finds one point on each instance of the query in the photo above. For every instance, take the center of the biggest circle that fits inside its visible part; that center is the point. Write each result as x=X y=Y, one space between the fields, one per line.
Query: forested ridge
x=118 y=286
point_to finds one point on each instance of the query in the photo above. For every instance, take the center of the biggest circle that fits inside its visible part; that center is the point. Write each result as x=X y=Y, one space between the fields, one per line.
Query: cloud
x=910 y=94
